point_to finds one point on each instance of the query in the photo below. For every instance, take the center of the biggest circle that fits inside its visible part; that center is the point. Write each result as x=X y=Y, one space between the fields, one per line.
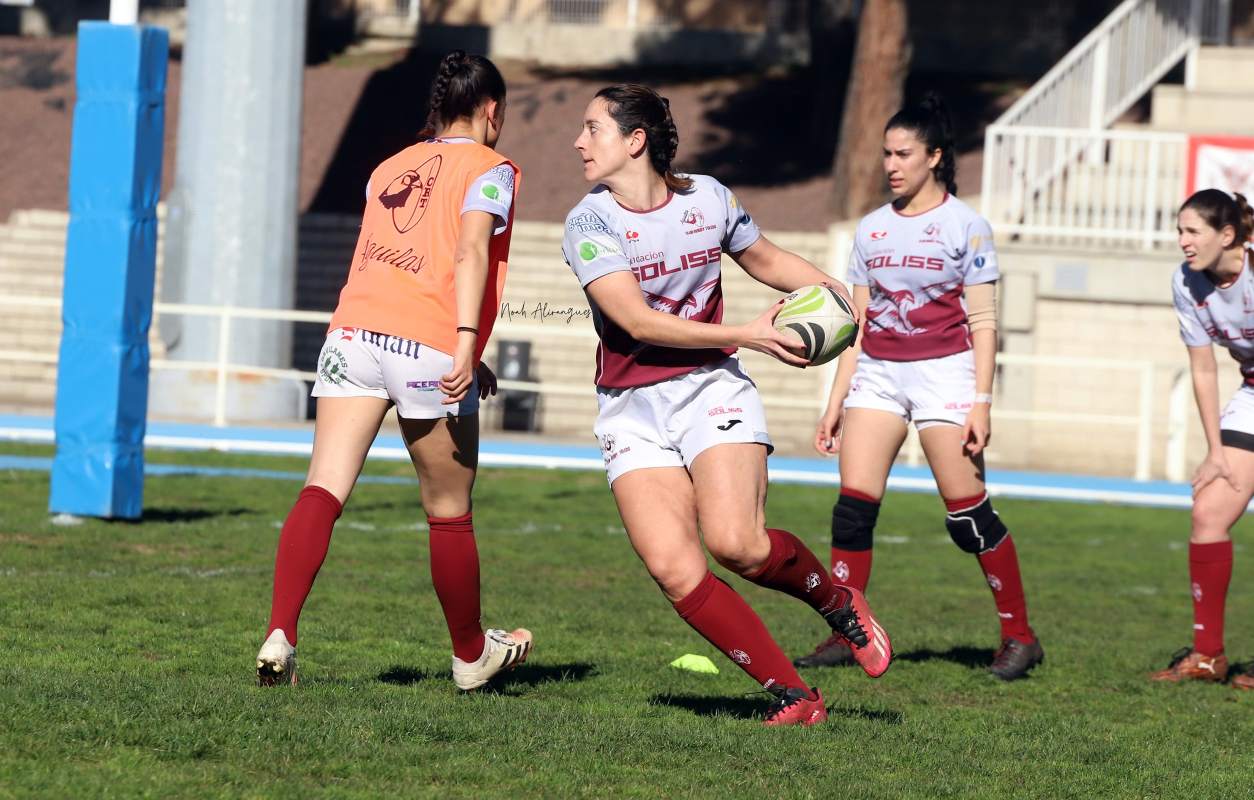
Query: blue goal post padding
x=110 y=266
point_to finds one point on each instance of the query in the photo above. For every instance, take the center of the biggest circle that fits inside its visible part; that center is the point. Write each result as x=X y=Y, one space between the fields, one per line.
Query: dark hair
x=1219 y=209
x=462 y=82
x=929 y=120
x=633 y=107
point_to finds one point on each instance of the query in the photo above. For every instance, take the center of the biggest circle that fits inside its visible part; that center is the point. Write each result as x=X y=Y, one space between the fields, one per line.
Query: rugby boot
x=868 y=642
x=834 y=651
x=1189 y=665
x=501 y=651
x=276 y=661
x=794 y=706
x=1014 y=658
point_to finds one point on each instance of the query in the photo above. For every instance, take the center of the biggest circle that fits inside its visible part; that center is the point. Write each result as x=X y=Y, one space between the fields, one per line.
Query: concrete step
x=30 y=233
x=39 y=218
x=1176 y=108
x=1225 y=69
x=33 y=252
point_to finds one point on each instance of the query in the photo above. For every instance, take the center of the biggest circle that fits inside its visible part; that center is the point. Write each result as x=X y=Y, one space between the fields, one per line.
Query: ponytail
x=1247 y=218
x=462 y=82
x=636 y=107
x=930 y=122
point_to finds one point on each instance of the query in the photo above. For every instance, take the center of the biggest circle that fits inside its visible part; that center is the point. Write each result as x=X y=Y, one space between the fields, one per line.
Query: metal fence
x=1140 y=424
x=1051 y=169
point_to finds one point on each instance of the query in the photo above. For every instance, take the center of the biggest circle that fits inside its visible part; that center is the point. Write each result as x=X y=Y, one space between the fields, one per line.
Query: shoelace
x=844 y=620
x=785 y=698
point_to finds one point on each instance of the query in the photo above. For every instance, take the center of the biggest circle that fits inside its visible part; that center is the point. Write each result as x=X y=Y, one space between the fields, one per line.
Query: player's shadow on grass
x=966 y=656
x=189 y=514
x=524 y=675
x=754 y=707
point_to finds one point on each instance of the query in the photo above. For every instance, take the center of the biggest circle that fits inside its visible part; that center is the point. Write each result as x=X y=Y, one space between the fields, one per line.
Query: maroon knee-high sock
x=1001 y=570
x=1210 y=570
x=303 y=545
x=716 y=612
x=455 y=575
x=791 y=568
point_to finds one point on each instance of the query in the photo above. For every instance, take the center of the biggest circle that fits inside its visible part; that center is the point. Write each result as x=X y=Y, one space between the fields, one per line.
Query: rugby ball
x=821 y=318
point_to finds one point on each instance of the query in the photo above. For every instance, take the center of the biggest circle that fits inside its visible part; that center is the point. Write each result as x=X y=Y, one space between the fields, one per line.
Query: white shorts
x=361 y=363
x=934 y=391
x=670 y=423
x=1236 y=422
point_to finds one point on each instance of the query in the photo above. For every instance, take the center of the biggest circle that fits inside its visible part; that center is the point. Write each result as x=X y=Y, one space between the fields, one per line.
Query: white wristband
x=987 y=399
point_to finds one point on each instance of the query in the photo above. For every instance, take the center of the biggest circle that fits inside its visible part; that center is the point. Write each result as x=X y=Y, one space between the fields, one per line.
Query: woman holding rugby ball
x=681 y=425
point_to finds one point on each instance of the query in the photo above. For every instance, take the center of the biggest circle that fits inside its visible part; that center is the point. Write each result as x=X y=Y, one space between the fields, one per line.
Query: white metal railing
x=1051 y=169
x=603 y=13
x=1141 y=423
x=1114 y=188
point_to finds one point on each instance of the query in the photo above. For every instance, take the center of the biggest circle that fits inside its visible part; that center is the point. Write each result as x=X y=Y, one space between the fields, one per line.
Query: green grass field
x=126 y=657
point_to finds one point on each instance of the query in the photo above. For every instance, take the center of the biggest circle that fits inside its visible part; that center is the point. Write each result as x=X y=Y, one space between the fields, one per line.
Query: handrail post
x=1101 y=72
x=224 y=342
x=1145 y=422
x=1178 y=426
x=1151 y=196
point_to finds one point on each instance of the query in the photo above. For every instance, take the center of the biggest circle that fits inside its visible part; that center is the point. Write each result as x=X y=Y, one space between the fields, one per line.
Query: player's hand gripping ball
x=821 y=318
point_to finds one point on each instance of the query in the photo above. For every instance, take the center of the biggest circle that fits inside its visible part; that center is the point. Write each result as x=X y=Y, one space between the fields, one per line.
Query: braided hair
x=929 y=121
x=1219 y=209
x=462 y=82
x=636 y=107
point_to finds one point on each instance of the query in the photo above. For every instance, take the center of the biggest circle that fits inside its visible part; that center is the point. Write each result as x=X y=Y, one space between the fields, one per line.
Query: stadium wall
x=1056 y=303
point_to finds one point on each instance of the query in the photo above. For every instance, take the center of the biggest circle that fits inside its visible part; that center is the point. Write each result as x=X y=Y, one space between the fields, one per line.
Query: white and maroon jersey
x=673 y=251
x=1225 y=317
x=916 y=268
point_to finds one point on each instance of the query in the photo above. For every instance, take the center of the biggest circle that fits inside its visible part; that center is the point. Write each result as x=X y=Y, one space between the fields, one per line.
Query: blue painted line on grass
x=37 y=464
x=809 y=471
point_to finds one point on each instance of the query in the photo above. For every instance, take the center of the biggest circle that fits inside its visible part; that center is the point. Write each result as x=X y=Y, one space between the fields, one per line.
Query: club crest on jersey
x=696 y=219
x=409 y=193
x=930 y=233
x=632 y=235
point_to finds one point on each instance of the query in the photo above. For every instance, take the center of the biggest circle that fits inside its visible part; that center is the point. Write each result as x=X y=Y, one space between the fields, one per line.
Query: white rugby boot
x=501 y=651
x=276 y=661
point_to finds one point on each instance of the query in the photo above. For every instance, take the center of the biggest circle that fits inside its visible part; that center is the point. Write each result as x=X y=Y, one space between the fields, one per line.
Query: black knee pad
x=853 y=522
x=976 y=530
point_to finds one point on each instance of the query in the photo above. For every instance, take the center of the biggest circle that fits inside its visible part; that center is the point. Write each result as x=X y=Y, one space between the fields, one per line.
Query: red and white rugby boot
x=276 y=661
x=501 y=651
x=795 y=706
x=853 y=620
